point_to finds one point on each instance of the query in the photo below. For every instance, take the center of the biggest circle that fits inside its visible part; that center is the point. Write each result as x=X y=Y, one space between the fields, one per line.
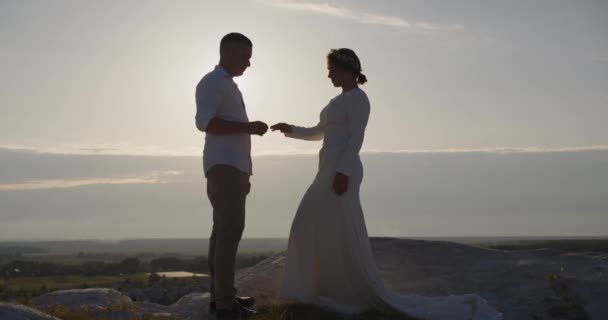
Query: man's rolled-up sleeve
x=208 y=99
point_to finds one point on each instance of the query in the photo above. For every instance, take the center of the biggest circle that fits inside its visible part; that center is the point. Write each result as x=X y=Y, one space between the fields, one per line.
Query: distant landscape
x=32 y=268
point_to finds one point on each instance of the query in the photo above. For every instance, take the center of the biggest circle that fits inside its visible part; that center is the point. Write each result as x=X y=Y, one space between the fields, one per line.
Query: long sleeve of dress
x=357 y=117
x=307 y=133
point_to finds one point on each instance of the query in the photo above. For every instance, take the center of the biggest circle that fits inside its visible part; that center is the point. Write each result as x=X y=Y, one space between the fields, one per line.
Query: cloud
x=515 y=150
x=384 y=20
x=360 y=17
x=281 y=151
x=436 y=27
x=320 y=8
x=600 y=57
x=154 y=177
x=122 y=149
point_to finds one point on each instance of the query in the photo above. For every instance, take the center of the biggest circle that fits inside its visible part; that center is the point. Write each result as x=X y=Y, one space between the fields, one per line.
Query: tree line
x=131 y=265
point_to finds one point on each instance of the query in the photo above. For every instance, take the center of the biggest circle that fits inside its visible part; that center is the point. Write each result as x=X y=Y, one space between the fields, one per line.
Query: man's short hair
x=235 y=38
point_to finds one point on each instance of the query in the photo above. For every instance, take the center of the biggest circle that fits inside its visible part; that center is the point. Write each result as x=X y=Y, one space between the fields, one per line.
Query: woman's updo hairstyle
x=348 y=60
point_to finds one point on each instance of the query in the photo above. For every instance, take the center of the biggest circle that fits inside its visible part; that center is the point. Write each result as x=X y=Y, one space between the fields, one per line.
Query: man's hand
x=221 y=126
x=283 y=127
x=257 y=127
x=340 y=183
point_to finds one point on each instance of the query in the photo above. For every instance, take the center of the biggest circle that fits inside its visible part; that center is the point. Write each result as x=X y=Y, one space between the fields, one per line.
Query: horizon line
x=159 y=152
x=286 y=238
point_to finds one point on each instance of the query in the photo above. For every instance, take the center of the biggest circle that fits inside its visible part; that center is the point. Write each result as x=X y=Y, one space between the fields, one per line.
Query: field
x=34 y=284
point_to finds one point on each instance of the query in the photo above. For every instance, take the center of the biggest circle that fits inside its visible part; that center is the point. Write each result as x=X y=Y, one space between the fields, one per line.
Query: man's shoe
x=246 y=302
x=237 y=312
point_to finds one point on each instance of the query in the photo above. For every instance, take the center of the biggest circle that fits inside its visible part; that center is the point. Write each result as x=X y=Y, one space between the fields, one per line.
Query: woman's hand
x=340 y=183
x=283 y=127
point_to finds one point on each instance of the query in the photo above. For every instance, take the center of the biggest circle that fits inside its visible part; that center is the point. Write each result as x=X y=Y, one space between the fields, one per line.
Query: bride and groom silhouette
x=329 y=257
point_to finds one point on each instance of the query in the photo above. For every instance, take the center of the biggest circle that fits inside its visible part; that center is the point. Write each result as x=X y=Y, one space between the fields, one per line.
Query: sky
x=116 y=76
x=80 y=80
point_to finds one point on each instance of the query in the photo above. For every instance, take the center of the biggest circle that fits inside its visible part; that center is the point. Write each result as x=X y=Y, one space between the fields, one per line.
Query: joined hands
x=260 y=128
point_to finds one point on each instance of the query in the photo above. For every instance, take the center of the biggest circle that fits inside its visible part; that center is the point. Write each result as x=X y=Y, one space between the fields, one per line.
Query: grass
x=277 y=312
x=52 y=283
x=307 y=312
x=110 y=313
x=567 y=306
x=24 y=288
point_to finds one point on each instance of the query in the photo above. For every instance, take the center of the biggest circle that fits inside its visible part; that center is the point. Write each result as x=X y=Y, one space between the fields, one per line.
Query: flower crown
x=345 y=59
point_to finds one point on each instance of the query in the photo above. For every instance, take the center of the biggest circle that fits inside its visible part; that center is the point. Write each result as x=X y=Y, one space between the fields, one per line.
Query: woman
x=329 y=257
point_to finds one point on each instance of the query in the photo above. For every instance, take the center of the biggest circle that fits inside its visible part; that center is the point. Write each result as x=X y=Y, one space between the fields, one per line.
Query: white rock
x=77 y=299
x=190 y=307
x=10 y=311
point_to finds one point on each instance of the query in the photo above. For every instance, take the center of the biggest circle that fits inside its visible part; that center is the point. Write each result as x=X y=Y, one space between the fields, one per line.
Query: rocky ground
x=165 y=291
x=532 y=284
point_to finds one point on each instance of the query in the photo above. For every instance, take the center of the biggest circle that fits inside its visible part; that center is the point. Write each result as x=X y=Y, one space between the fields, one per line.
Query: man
x=221 y=114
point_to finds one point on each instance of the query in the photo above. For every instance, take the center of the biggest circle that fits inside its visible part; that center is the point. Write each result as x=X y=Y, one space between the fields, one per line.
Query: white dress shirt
x=217 y=95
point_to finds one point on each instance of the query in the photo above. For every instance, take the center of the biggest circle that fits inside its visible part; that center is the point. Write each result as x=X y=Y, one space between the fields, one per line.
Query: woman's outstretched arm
x=304 y=133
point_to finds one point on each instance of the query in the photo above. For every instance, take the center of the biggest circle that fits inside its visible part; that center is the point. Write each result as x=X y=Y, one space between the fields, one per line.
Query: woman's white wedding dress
x=329 y=257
